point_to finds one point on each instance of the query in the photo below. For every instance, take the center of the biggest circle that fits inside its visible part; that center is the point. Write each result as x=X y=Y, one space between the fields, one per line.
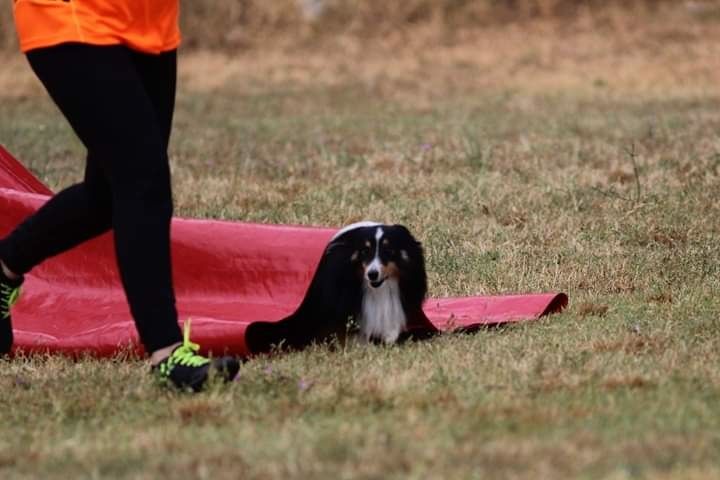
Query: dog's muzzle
x=374 y=278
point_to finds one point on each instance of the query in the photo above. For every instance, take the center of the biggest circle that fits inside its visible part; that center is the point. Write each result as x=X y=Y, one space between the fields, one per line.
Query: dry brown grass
x=252 y=24
x=626 y=52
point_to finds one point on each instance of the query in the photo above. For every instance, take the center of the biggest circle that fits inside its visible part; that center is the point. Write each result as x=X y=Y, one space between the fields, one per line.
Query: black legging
x=120 y=104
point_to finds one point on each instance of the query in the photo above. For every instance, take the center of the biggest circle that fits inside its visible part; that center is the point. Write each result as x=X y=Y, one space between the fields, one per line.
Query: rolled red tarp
x=227 y=276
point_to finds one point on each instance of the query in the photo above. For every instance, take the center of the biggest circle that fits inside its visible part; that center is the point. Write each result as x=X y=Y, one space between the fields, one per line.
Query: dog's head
x=381 y=252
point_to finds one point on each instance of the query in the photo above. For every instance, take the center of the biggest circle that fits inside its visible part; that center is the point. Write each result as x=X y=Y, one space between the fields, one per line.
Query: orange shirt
x=146 y=25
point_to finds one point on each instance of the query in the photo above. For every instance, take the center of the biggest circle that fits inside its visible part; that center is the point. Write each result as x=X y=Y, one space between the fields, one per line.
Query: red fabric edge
x=92 y=296
x=16 y=177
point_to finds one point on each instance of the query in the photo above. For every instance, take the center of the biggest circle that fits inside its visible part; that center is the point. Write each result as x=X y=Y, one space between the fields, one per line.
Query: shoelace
x=185 y=354
x=12 y=293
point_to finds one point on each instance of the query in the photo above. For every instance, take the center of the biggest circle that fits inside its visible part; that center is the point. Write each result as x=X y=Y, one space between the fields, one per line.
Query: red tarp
x=227 y=275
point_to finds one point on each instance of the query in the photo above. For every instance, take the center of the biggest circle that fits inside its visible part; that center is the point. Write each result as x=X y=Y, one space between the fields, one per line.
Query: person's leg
x=72 y=216
x=158 y=73
x=120 y=104
x=101 y=93
x=84 y=211
x=69 y=218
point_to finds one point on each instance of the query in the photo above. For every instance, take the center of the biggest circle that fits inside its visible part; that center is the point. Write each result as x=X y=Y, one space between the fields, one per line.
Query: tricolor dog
x=371 y=279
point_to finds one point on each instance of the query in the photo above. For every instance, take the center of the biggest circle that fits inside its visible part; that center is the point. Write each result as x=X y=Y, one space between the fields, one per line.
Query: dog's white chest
x=382 y=315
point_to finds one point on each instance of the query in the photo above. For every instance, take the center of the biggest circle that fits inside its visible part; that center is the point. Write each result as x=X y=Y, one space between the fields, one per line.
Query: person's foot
x=185 y=369
x=9 y=294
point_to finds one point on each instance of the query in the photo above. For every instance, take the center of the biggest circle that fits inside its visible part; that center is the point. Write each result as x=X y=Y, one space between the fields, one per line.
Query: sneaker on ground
x=186 y=369
x=9 y=294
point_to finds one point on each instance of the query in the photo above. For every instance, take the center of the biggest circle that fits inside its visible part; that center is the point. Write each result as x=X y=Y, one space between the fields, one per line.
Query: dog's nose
x=373 y=275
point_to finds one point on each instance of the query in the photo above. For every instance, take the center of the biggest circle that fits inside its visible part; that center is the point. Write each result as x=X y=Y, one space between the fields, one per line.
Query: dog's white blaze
x=376 y=263
x=382 y=315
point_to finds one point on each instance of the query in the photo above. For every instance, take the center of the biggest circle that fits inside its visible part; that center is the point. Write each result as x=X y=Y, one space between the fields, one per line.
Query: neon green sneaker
x=185 y=369
x=9 y=294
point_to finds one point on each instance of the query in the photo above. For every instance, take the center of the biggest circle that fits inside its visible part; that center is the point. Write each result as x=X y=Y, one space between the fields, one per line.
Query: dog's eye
x=364 y=252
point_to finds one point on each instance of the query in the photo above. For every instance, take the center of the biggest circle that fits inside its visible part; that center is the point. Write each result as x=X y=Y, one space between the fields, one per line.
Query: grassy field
x=557 y=157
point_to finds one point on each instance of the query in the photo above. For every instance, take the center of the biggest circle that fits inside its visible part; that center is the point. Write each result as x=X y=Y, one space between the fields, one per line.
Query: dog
x=371 y=281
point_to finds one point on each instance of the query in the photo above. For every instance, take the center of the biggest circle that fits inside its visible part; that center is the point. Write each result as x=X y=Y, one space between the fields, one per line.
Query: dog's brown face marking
x=392 y=270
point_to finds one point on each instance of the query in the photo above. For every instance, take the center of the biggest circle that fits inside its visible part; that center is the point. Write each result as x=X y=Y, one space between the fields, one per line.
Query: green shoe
x=9 y=294
x=185 y=369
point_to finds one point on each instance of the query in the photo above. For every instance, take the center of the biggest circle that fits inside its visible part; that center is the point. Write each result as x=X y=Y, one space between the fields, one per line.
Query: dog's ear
x=336 y=245
x=401 y=228
x=403 y=231
x=413 y=281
